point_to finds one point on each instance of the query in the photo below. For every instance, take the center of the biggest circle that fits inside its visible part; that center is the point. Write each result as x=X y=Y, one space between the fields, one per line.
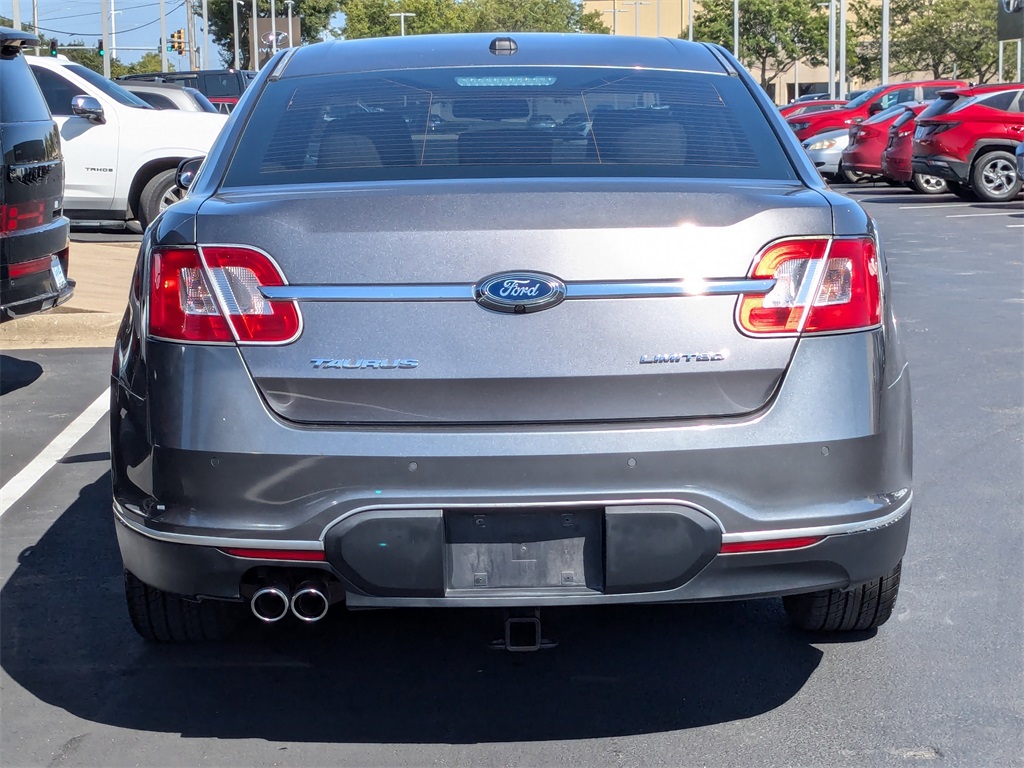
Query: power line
x=81 y=15
x=120 y=31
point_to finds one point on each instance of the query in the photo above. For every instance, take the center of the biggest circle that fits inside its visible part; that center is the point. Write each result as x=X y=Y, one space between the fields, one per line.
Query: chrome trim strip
x=639 y=289
x=212 y=541
x=369 y=292
x=862 y=526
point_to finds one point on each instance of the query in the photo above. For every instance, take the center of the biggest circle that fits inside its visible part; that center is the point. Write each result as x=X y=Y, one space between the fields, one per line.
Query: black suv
x=34 y=233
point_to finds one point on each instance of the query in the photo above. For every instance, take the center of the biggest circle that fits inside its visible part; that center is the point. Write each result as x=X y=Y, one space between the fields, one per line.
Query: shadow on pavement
x=383 y=676
x=15 y=373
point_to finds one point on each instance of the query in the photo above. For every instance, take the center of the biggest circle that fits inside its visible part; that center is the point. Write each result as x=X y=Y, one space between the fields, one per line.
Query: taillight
x=212 y=295
x=16 y=216
x=841 y=275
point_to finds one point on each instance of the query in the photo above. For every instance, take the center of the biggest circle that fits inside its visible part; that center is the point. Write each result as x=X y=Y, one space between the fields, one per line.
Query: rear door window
x=490 y=122
x=21 y=100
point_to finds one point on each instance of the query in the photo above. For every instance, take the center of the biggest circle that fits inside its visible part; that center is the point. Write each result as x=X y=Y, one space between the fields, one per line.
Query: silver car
x=502 y=367
x=826 y=152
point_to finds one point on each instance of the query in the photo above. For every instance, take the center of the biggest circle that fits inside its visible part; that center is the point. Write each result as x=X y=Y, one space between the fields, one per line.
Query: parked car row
x=958 y=138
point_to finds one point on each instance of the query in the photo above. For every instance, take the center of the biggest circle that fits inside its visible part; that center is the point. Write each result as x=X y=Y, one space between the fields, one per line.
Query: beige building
x=670 y=18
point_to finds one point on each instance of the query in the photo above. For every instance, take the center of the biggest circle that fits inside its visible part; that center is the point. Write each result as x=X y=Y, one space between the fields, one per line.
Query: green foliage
x=946 y=38
x=774 y=34
x=314 y=22
x=371 y=18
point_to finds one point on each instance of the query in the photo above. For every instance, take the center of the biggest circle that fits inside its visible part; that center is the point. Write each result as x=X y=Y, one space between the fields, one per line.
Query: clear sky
x=137 y=24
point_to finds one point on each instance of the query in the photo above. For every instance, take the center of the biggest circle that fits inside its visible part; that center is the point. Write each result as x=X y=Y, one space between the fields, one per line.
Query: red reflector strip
x=277 y=554
x=20 y=269
x=768 y=545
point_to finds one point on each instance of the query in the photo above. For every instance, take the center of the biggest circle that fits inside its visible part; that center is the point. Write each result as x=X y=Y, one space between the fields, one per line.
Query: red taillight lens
x=841 y=275
x=197 y=303
x=14 y=217
x=238 y=274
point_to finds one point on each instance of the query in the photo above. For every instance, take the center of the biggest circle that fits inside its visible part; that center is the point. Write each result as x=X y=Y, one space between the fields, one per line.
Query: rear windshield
x=489 y=122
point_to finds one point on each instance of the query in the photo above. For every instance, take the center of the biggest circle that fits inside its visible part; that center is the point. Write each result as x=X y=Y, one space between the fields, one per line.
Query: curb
x=61 y=329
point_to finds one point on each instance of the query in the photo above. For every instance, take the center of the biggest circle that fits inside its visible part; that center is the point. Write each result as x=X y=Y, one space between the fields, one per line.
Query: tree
x=774 y=34
x=535 y=16
x=946 y=38
x=371 y=18
x=314 y=21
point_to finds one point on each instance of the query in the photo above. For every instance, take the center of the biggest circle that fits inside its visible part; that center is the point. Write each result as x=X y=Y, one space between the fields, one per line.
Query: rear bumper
x=948 y=168
x=862 y=161
x=642 y=560
x=896 y=167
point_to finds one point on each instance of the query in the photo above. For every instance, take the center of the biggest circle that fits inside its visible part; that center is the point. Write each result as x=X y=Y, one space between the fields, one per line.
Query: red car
x=972 y=143
x=868 y=139
x=898 y=154
x=806 y=107
x=868 y=104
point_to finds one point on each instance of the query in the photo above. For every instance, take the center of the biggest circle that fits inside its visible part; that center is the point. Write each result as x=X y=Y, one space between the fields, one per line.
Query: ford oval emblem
x=519 y=292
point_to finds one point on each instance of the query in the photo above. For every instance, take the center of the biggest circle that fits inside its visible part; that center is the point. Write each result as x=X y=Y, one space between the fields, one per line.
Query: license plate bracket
x=59 y=278
x=524 y=549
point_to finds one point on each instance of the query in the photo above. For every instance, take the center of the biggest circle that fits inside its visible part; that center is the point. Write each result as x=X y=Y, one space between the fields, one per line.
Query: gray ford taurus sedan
x=398 y=346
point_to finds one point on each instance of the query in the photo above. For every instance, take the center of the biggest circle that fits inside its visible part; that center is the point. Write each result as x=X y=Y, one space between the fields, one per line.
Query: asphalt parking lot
x=715 y=685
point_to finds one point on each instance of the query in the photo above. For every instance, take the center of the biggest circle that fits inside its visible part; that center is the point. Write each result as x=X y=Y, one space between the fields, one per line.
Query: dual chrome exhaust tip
x=309 y=602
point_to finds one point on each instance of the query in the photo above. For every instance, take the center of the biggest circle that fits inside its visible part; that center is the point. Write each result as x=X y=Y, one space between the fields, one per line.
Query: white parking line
x=934 y=205
x=19 y=485
x=970 y=215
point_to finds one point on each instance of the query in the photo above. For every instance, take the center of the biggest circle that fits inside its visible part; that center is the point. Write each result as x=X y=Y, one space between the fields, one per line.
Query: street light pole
x=690 y=21
x=273 y=27
x=615 y=11
x=291 y=37
x=401 y=19
x=636 y=14
x=254 y=45
x=885 y=41
x=234 y=26
x=736 y=28
x=842 y=49
x=831 y=47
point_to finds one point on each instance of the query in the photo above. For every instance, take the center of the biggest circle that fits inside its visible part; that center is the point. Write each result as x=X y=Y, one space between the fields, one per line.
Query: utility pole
x=35 y=20
x=16 y=15
x=206 y=34
x=105 y=14
x=163 y=38
x=113 y=31
x=636 y=14
x=689 y=35
x=254 y=44
x=190 y=36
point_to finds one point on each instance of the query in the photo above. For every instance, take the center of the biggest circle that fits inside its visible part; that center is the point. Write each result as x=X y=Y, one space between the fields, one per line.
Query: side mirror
x=88 y=107
x=187 y=170
x=874 y=107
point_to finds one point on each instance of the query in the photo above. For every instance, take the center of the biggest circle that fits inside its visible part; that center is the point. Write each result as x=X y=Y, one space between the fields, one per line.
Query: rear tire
x=961 y=191
x=994 y=177
x=159 y=192
x=929 y=185
x=865 y=607
x=161 y=617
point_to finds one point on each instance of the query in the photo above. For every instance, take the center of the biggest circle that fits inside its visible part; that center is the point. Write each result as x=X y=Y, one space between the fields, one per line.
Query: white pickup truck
x=120 y=154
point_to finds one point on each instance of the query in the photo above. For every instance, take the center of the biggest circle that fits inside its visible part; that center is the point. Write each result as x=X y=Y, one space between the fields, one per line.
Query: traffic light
x=99 y=46
x=53 y=47
x=178 y=41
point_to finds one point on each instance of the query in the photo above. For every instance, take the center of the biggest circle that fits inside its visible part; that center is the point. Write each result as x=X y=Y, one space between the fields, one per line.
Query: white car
x=120 y=154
